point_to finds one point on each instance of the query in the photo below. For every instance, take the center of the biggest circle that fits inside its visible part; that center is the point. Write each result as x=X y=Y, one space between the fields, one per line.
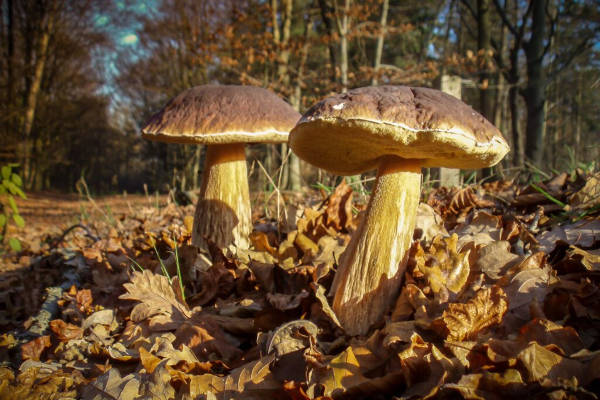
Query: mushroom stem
x=373 y=264
x=223 y=213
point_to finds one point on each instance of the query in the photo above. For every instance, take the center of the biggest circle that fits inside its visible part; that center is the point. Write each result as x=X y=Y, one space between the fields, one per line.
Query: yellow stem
x=223 y=213
x=372 y=267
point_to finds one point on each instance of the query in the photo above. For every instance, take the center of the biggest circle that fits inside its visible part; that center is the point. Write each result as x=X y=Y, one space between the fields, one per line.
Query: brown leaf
x=33 y=349
x=149 y=361
x=465 y=320
x=495 y=259
x=112 y=386
x=589 y=259
x=260 y=241
x=84 y=300
x=490 y=385
x=217 y=281
x=583 y=233
x=204 y=337
x=65 y=331
x=342 y=373
x=527 y=282
x=546 y=332
x=291 y=336
x=157 y=301
x=589 y=195
x=443 y=266
x=541 y=364
x=339 y=207
x=285 y=302
x=482 y=228
x=429 y=223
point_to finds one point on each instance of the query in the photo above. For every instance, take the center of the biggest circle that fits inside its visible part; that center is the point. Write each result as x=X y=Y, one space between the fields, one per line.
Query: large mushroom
x=396 y=130
x=225 y=118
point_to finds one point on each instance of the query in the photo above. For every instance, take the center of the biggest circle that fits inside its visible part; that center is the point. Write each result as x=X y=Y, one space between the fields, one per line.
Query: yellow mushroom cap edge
x=347 y=133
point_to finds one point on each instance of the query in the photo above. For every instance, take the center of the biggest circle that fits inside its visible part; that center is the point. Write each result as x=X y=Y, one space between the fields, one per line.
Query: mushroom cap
x=347 y=133
x=220 y=114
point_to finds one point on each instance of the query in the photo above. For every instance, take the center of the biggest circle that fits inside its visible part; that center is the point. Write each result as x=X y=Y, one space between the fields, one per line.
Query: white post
x=452 y=85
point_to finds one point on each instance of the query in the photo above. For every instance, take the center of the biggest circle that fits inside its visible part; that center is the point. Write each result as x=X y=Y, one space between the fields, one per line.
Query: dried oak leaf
x=33 y=349
x=465 y=320
x=111 y=385
x=65 y=331
x=38 y=380
x=157 y=301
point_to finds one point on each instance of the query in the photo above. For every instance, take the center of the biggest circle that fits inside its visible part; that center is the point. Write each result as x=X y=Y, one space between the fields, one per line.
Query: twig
x=88 y=233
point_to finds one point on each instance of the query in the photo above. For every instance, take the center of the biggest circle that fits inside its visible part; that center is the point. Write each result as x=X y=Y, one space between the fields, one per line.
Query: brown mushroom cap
x=347 y=133
x=220 y=114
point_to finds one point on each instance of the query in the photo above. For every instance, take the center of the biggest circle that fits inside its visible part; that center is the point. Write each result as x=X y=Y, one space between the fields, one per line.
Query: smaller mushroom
x=225 y=118
x=396 y=130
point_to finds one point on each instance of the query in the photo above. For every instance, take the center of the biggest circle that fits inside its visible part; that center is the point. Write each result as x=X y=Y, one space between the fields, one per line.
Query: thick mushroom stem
x=373 y=264
x=223 y=213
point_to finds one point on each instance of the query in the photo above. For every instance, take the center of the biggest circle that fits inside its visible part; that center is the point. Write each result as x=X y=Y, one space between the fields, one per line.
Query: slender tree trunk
x=33 y=92
x=579 y=107
x=343 y=28
x=11 y=61
x=295 y=181
x=326 y=12
x=380 y=38
x=534 y=93
x=484 y=47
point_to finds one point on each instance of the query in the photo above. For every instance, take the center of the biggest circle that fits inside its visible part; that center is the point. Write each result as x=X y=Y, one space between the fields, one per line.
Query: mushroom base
x=223 y=213
x=373 y=264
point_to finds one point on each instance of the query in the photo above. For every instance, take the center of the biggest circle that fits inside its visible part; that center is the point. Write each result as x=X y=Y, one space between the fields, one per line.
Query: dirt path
x=49 y=210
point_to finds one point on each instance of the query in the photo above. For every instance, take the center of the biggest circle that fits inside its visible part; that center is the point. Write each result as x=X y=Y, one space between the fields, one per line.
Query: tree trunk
x=534 y=93
x=380 y=39
x=34 y=88
x=484 y=46
x=343 y=28
x=326 y=12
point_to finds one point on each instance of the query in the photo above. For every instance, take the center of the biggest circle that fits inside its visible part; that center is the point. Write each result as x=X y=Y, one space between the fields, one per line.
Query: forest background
x=78 y=78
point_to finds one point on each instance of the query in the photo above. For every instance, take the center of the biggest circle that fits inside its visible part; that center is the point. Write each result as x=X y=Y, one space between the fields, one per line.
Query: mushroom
x=225 y=118
x=396 y=130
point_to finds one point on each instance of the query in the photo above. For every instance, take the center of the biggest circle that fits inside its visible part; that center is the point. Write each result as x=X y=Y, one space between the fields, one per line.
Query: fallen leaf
x=112 y=385
x=490 y=385
x=495 y=259
x=482 y=228
x=157 y=301
x=465 y=320
x=583 y=233
x=542 y=364
x=342 y=373
x=65 y=331
x=33 y=349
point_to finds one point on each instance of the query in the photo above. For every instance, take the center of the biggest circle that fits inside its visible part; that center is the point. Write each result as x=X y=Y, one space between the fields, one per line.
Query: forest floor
x=500 y=299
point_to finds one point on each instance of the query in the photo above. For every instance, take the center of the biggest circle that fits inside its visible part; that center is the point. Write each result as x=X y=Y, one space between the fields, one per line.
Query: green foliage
x=10 y=186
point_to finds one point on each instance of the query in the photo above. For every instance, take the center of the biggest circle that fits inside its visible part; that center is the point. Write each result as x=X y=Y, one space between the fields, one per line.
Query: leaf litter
x=501 y=298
